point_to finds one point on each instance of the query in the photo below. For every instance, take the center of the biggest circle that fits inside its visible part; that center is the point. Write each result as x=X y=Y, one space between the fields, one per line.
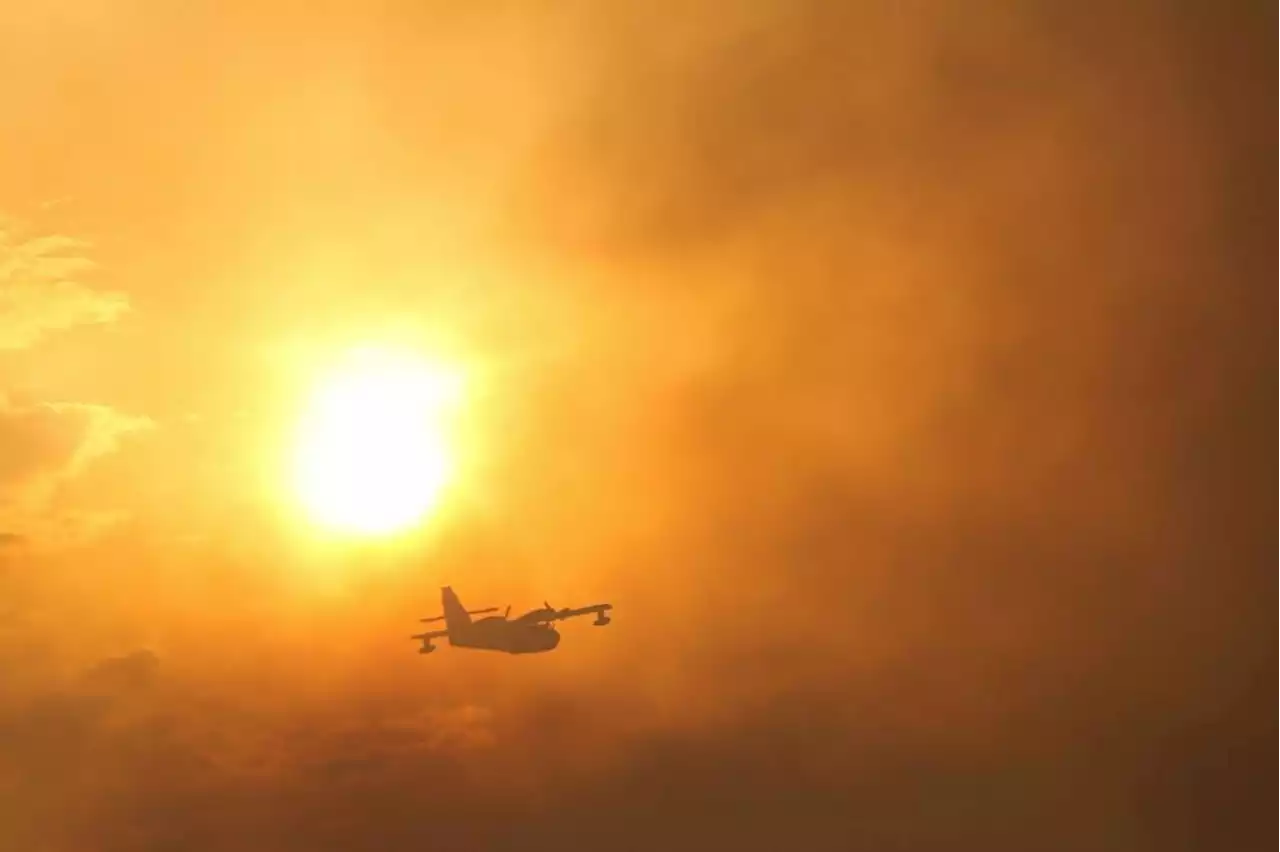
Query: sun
x=373 y=454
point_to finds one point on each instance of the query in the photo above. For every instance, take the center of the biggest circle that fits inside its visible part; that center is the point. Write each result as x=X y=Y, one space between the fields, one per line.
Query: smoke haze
x=897 y=371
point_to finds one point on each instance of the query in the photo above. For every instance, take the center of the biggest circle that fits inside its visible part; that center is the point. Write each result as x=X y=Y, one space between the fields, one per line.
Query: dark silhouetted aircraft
x=531 y=633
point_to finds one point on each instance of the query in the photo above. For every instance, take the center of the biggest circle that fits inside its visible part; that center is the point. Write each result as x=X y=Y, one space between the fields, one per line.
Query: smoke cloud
x=896 y=371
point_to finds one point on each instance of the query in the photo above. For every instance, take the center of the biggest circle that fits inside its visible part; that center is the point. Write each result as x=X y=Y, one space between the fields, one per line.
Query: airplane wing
x=431 y=634
x=595 y=609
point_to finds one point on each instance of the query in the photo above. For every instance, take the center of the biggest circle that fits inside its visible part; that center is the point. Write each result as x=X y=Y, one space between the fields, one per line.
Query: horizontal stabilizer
x=469 y=612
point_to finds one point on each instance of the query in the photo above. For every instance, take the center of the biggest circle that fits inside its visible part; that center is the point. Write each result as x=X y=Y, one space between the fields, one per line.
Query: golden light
x=373 y=453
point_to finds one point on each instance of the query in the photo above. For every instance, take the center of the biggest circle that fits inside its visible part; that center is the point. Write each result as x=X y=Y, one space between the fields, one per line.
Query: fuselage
x=499 y=634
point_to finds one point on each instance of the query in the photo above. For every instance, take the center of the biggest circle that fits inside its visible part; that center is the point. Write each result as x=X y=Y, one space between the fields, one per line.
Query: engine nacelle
x=426 y=648
x=601 y=620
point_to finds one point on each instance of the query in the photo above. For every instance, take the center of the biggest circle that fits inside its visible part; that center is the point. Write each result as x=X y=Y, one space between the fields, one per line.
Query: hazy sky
x=897 y=370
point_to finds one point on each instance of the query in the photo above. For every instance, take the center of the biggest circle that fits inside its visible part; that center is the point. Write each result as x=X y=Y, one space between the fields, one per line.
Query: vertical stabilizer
x=455 y=615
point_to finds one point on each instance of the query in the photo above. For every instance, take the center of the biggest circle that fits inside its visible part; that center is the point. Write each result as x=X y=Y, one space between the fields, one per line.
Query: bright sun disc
x=372 y=456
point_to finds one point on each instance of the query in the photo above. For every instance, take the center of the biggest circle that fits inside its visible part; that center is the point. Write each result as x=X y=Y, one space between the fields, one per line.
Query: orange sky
x=896 y=372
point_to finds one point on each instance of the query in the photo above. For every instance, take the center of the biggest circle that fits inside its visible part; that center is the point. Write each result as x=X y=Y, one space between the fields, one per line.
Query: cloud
x=58 y=439
x=44 y=733
x=41 y=289
x=44 y=447
x=165 y=749
x=129 y=672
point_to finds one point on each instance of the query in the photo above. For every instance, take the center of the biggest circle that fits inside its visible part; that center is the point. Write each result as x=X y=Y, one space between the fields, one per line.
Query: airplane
x=530 y=633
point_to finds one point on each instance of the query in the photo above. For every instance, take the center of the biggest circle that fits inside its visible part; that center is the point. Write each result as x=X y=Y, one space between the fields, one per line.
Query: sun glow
x=373 y=454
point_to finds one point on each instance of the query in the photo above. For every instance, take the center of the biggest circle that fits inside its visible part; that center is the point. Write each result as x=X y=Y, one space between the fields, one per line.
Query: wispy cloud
x=41 y=289
x=44 y=446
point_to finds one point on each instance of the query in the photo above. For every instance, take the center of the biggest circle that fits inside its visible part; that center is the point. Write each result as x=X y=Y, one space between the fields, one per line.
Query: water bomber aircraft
x=531 y=633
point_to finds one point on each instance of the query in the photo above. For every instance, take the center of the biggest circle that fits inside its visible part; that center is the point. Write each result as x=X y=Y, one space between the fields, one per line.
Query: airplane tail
x=456 y=616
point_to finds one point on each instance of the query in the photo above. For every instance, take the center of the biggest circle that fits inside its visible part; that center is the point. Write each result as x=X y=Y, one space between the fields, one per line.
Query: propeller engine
x=546 y=614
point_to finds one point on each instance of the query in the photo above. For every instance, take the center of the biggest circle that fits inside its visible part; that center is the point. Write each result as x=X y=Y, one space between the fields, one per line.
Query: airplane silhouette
x=531 y=633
